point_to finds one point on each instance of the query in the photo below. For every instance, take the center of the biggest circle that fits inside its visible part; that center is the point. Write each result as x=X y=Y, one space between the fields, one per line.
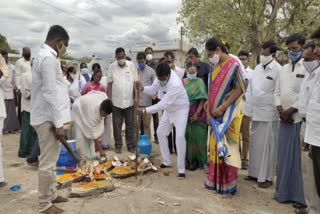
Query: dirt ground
x=151 y=193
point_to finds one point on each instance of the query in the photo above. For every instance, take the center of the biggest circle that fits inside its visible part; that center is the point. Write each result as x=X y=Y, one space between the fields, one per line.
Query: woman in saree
x=197 y=129
x=94 y=84
x=226 y=90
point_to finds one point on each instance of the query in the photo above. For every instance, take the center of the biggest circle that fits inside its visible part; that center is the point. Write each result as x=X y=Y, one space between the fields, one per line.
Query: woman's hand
x=218 y=112
x=195 y=117
x=208 y=119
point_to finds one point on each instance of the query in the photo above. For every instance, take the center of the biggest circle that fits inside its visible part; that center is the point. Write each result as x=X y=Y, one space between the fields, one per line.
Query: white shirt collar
x=50 y=49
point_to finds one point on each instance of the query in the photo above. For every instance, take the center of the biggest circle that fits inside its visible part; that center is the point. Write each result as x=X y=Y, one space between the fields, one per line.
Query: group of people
x=264 y=120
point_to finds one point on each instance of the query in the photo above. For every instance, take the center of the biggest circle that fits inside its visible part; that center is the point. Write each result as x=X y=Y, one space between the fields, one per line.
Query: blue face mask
x=191 y=76
x=295 y=55
x=141 y=66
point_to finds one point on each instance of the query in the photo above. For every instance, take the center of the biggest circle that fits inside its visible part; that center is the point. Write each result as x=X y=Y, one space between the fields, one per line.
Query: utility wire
x=69 y=13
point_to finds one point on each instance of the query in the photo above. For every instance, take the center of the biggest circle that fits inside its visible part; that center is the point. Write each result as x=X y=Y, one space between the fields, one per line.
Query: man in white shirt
x=28 y=136
x=47 y=116
x=122 y=74
x=4 y=73
x=170 y=58
x=289 y=177
x=247 y=112
x=23 y=65
x=88 y=113
x=264 y=125
x=175 y=107
x=312 y=137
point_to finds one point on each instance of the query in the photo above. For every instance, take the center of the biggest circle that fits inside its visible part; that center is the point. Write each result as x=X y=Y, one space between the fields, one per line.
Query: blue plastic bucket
x=65 y=159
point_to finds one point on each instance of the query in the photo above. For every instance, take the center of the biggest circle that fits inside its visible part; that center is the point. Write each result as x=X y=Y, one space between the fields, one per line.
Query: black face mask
x=27 y=56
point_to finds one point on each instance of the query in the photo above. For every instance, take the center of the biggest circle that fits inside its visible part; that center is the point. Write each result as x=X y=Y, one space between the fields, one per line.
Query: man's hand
x=103 y=153
x=18 y=91
x=59 y=132
x=286 y=115
x=139 y=86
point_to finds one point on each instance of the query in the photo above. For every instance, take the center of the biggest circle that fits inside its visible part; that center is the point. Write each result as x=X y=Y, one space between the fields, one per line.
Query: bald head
x=26 y=53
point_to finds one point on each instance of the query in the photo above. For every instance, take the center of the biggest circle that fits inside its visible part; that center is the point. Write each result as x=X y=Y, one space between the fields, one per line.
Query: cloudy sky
x=95 y=26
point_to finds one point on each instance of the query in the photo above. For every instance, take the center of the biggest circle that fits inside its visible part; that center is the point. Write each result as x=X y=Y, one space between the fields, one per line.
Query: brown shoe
x=53 y=210
x=249 y=178
x=265 y=184
x=3 y=184
x=34 y=164
x=118 y=150
x=60 y=199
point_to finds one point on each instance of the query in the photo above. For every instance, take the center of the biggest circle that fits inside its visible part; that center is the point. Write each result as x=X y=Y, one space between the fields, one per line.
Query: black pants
x=118 y=115
x=172 y=141
x=315 y=155
x=155 y=118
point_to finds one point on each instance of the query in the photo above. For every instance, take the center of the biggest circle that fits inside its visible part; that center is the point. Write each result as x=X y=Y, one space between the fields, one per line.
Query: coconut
x=126 y=164
x=155 y=169
x=116 y=158
x=132 y=157
x=140 y=160
x=146 y=160
x=132 y=165
x=126 y=159
x=143 y=166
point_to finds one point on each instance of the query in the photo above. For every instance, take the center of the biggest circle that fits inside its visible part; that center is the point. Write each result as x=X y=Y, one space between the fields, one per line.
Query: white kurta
x=288 y=87
x=175 y=104
x=88 y=121
x=3 y=115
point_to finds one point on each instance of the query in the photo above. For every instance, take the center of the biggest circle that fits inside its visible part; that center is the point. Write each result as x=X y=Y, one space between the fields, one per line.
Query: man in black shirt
x=203 y=68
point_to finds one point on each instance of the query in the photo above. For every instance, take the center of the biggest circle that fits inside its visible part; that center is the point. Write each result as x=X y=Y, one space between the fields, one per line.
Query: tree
x=246 y=24
x=4 y=45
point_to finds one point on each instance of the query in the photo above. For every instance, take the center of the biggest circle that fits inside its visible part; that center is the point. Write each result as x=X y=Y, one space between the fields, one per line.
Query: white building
x=178 y=48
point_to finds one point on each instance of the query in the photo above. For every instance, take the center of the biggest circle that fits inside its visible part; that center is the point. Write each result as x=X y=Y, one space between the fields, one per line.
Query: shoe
x=53 y=210
x=265 y=184
x=105 y=147
x=60 y=199
x=249 y=178
x=301 y=211
x=298 y=205
x=194 y=165
x=162 y=166
x=132 y=150
x=118 y=150
x=244 y=165
x=33 y=163
x=181 y=176
x=3 y=184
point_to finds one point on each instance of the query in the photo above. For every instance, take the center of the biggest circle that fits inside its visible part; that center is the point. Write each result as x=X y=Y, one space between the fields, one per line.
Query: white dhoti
x=263 y=150
x=106 y=137
x=179 y=119
x=1 y=152
x=85 y=145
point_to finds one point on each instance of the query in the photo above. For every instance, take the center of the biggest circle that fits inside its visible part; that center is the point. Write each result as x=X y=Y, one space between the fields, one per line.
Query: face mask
x=295 y=55
x=265 y=59
x=27 y=56
x=73 y=76
x=141 y=66
x=215 y=59
x=191 y=76
x=163 y=82
x=121 y=62
x=84 y=71
x=149 y=57
x=62 y=50
x=311 y=65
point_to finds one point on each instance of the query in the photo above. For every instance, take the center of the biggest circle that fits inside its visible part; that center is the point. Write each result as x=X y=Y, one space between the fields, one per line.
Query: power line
x=82 y=19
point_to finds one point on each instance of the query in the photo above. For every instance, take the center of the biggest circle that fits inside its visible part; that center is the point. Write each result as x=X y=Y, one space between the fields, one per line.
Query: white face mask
x=121 y=62
x=265 y=59
x=215 y=59
x=311 y=65
x=73 y=76
x=149 y=57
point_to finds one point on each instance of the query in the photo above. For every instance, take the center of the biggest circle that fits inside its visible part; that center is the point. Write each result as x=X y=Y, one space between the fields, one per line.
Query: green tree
x=246 y=24
x=4 y=45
